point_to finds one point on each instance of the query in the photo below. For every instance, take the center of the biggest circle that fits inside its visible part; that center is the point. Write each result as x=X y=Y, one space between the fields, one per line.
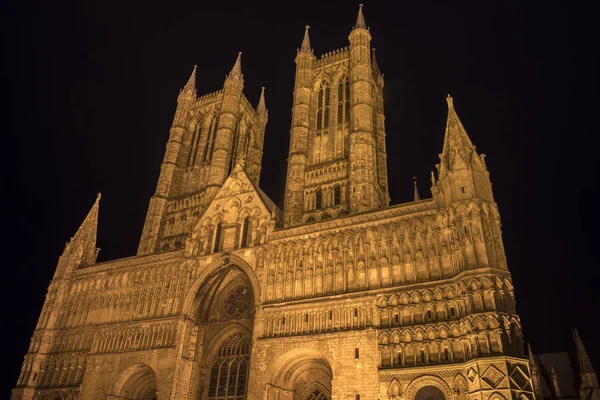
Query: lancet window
x=245 y=232
x=210 y=143
x=229 y=372
x=322 y=132
x=218 y=244
x=194 y=145
x=343 y=100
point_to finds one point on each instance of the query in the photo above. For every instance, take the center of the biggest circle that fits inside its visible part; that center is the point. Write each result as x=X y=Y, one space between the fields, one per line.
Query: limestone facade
x=339 y=296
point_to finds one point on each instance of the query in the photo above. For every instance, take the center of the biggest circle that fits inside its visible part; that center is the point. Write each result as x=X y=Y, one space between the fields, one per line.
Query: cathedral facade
x=339 y=296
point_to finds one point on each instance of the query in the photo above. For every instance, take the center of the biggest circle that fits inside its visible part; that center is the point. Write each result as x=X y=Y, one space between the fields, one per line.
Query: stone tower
x=339 y=297
x=210 y=135
x=337 y=155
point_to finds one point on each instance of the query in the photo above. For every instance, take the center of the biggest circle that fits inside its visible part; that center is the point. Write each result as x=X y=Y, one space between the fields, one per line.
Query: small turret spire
x=416 y=196
x=584 y=361
x=374 y=65
x=261 y=108
x=236 y=71
x=532 y=362
x=360 y=20
x=83 y=245
x=305 y=48
x=190 y=86
x=555 y=382
x=457 y=144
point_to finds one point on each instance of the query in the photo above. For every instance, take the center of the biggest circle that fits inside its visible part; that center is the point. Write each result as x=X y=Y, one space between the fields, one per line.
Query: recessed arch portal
x=222 y=308
x=305 y=372
x=138 y=382
x=429 y=393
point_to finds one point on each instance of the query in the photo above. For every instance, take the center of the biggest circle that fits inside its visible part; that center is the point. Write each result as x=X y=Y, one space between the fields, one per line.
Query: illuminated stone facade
x=340 y=296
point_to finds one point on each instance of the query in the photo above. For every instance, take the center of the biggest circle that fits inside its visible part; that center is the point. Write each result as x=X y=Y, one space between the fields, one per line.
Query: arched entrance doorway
x=301 y=374
x=429 y=393
x=223 y=314
x=138 y=382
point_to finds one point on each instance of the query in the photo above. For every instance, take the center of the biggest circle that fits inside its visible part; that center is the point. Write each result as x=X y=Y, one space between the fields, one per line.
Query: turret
x=158 y=202
x=221 y=155
x=589 y=389
x=462 y=173
x=298 y=152
x=535 y=375
x=364 y=189
x=81 y=250
x=252 y=164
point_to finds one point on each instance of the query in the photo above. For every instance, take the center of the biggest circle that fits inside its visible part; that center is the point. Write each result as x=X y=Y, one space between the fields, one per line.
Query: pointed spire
x=190 y=86
x=456 y=141
x=532 y=362
x=83 y=244
x=305 y=48
x=584 y=361
x=360 y=20
x=374 y=65
x=261 y=108
x=416 y=196
x=236 y=71
x=555 y=382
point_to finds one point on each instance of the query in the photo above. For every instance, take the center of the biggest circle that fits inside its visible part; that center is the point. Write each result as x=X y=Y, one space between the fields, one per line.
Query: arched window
x=323 y=106
x=245 y=230
x=210 y=143
x=194 y=145
x=218 y=246
x=343 y=100
x=337 y=195
x=319 y=199
x=229 y=372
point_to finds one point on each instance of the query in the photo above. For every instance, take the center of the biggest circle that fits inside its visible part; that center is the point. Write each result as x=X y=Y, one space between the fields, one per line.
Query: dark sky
x=91 y=90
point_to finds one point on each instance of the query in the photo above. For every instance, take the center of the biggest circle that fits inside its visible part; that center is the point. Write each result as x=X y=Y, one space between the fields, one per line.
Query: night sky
x=91 y=89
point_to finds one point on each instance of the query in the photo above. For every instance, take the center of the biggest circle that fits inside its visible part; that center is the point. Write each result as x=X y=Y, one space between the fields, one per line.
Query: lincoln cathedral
x=339 y=296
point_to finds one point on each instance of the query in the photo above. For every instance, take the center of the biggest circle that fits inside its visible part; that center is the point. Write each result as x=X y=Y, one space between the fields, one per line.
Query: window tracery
x=229 y=372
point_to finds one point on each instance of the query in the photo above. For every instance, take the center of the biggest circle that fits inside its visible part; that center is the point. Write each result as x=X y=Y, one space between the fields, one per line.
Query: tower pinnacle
x=584 y=362
x=360 y=20
x=190 y=86
x=261 y=108
x=416 y=196
x=82 y=246
x=374 y=65
x=305 y=48
x=236 y=71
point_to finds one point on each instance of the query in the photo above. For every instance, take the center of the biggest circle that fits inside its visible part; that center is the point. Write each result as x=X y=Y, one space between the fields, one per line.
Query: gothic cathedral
x=339 y=296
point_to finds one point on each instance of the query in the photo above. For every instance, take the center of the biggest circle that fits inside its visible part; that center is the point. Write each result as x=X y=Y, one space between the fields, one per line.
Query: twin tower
x=337 y=154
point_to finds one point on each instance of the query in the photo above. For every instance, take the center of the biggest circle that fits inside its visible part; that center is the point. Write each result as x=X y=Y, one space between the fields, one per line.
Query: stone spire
x=360 y=20
x=82 y=246
x=261 y=108
x=374 y=65
x=190 y=86
x=236 y=71
x=555 y=383
x=305 y=48
x=416 y=196
x=589 y=388
x=456 y=138
x=535 y=375
x=584 y=361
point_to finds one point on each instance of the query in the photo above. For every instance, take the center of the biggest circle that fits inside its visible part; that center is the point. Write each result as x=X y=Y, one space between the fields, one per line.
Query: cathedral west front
x=339 y=296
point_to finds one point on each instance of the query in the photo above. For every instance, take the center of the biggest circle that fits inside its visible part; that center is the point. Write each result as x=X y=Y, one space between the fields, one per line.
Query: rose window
x=238 y=300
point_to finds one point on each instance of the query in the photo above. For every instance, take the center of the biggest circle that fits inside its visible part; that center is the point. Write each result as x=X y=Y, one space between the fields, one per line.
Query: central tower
x=337 y=155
